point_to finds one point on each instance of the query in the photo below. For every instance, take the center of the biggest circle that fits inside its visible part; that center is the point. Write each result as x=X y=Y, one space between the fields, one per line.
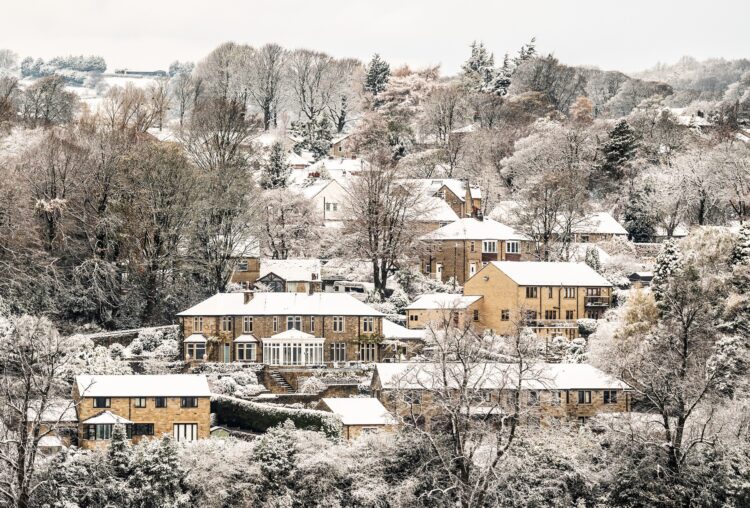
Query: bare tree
x=289 y=223
x=127 y=109
x=47 y=102
x=311 y=80
x=267 y=68
x=158 y=96
x=32 y=357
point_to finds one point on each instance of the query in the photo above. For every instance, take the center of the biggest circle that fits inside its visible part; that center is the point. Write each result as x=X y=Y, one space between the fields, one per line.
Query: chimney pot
x=248 y=295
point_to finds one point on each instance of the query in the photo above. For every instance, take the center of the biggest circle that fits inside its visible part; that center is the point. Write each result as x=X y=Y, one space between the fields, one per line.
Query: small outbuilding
x=359 y=415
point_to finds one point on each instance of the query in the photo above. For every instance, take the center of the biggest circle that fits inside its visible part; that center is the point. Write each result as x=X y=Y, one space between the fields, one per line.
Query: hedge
x=259 y=417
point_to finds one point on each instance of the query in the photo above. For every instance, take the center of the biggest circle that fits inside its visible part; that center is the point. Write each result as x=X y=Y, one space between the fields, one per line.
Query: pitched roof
x=599 y=223
x=245 y=338
x=431 y=186
x=56 y=410
x=436 y=210
x=543 y=376
x=360 y=411
x=393 y=330
x=135 y=385
x=107 y=417
x=293 y=334
x=292 y=269
x=474 y=229
x=539 y=273
x=438 y=301
x=270 y=304
x=195 y=338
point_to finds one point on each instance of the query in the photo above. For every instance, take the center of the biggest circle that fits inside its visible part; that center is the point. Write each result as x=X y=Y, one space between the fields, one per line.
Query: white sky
x=138 y=34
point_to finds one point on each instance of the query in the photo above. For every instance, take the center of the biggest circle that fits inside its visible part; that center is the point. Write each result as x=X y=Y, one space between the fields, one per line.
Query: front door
x=227 y=353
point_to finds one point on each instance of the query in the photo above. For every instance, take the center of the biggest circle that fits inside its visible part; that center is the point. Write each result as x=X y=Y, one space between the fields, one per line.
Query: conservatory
x=293 y=347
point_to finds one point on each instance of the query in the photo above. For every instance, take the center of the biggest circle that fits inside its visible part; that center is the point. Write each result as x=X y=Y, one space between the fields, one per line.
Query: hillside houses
x=293 y=275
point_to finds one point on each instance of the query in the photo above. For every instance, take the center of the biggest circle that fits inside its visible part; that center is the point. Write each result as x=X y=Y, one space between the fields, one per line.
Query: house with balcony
x=543 y=393
x=545 y=296
x=147 y=405
x=282 y=329
x=459 y=250
x=292 y=275
x=437 y=309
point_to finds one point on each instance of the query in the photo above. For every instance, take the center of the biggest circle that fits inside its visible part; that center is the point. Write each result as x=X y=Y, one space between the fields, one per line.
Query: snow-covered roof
x=600 y=223
x=393 y=330
x=313 y=189
x=292 y=269
x=106 y=417
x=360 y=411
x=293 y=334
x=543 y=376
x=578 y=252
x=431 y=186
x=245 y=338
x=247 y=248
x=339 y=138
x=466 y=129
x=540 y=273
x=50 y=441
x=438 y=301
x=135 y=385
x=436 y=210
x=348 y=164
x=195 y=338
x=294 y=159
x=57 y=410
x=474 y=229
x=283 y=304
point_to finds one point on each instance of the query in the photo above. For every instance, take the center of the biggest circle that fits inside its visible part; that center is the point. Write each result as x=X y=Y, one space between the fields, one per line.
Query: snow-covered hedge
x=261 y=417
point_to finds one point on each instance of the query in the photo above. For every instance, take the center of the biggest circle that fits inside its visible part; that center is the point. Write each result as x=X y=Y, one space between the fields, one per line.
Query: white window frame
x=246 y=352
x=368 y=352
x=312 y=325
x=275 y=323
x=338 y=351
x=295 y=321
x=247 y=324
x=227 y=323
x=368 y=324
x=185 y=431
x=489 y=246
x=242 y=266
x=338 y=324
x=512 y=247
x=198 y=323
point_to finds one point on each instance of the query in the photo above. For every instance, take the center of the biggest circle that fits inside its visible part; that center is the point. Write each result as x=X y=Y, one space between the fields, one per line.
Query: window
x=100 y=402
x=511 y=248
x=487 y=396
x=550 y=314
x=471 y=247
x=610 y=396
x=242 y=266
x=584 y=396
x=530 y=315
x=101 y=431
x=476 y=315
x=472 y=269
x=312 y=325
x=338 y=323
x=413 y=317
x=143 y=429
x=533 y=398
x=195 y=351
x=140 y=402
x=569 y=315
x=570 y=292
x=197 y=324
x=275 y=324
x=505 y=315
x=512 y=398
x=226 y=324
x=368 y=352
x=185 y=431
x=584 y=238
x=245 y=352
x=582 y=420
x=593 y=291
x=413 y=397
x=160 y=402
x=549 y=292
x=294 y=322
x=531 y=292
x=247 y=324
x=555 y=397
x=338 y=352
x=368 y=325
x=489 y=246
x=188 y=401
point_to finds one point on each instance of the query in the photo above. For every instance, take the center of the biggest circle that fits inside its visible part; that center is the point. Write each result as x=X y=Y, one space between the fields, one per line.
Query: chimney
x=248 y=295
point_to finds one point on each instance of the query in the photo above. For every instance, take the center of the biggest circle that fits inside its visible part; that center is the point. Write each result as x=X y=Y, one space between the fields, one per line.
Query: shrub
x=312 y=385
x=150 y=338
x=136 y=347
x=167 y=350
x=261 y=417
x=116 y=351
x=586 y=326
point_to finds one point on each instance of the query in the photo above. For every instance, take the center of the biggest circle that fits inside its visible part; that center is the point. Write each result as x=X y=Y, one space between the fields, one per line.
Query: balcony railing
x=596 y=301
x=551 y=323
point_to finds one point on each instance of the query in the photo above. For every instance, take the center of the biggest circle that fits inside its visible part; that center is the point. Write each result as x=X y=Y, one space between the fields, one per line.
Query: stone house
x=597 y=227
x=246 y=259
x=148 y=405
x=359 y=415
x=328 y=197
x=563 y=391
x=442 y=307
x=342 y=146
x=292 y=275
x=282 y=329
x=463 y=247
x=465 y=199
x=548 y=297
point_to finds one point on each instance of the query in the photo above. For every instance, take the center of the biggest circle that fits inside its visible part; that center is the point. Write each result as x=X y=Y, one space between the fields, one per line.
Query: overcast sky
x=140 y=34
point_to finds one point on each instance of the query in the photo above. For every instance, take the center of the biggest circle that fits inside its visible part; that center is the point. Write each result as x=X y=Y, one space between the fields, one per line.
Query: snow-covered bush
x=117 y=351
x=225 y=386
x=261 y=417
x=91 y=359
x=150 y=338
x=312 y=385
x=241 y=384
x=587 y=326
x=136 y=347
x=167 y=350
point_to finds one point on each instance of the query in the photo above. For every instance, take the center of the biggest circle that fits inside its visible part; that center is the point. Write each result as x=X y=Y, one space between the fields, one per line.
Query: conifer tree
x=639 y=216
x=618 y=150
x=378 y=74
x=668 y=263
x=592 y=259
x=276 y=453
x=741 y=251
x=276 y=171
x=119 y=452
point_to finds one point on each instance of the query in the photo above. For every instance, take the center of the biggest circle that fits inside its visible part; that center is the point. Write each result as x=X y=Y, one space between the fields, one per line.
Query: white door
x=472 y=269
x=185 y=431
x=227 y=353
x=439 y=271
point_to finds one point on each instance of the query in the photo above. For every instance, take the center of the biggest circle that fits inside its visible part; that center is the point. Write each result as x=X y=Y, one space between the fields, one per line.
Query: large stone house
x=563 y=392
x=147 y=405
x=463 y=247
x=293 y=275
x=548 y=297
x=439 y=308
x=282 y=329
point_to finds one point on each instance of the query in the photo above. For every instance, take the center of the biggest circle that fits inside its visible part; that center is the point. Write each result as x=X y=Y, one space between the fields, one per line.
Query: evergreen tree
x=156 y=475
x=276 y=454
x=639 y=216
x=741 y=251
x=668 y=263
x=314 y=136
x=527 y=52
x=378 y=74
x=618 y=150
x=276 y=171
x=736 y=315
x=592 y=259
x=119 y=452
